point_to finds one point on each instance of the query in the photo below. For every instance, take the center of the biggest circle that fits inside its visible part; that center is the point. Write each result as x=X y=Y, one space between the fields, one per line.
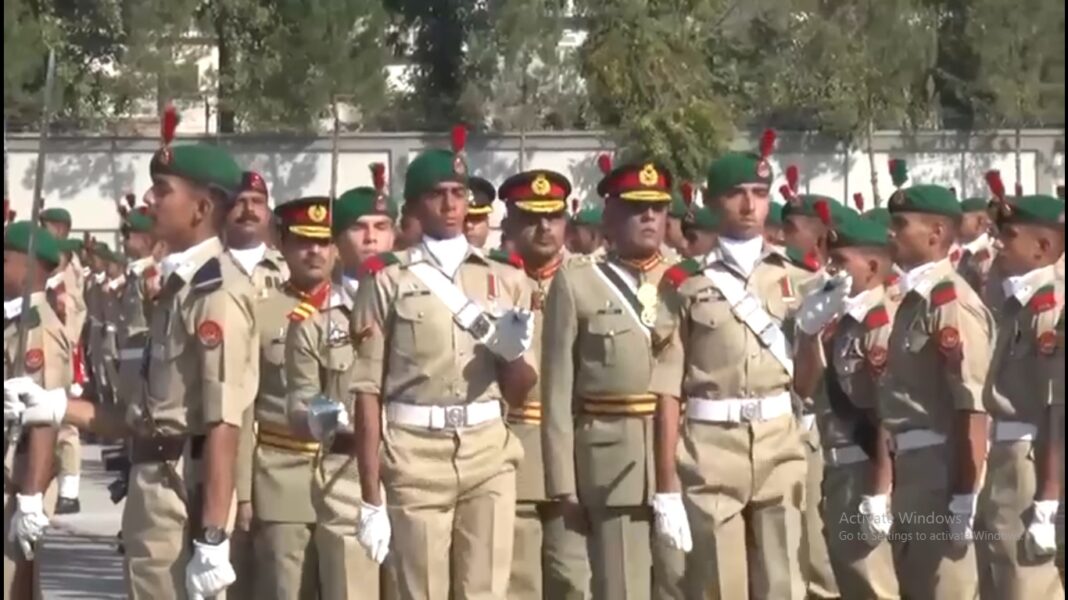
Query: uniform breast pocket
x=412 y=331
x=338 y=363
x=164 y=364
x=602 y=339
x=710 y=314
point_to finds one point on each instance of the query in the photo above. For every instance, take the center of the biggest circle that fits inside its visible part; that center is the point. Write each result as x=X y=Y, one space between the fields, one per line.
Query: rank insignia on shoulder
x=943 y=293
x=1044 y=299
x=303 y=311
x=508 y=258
x=678 y=274
x=209 y=277
x=378 y=262
x=877 y=317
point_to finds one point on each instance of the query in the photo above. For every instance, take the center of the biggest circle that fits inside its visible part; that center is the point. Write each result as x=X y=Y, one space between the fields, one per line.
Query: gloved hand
x=513 y=334
x=374 y=531
x=671 y=524
x=325 y=416
x=875 y=518
x=209 y=571
x=825 y=304
x=962 y=518
x=1041 y=538
x=39 y=406
x=28 y=523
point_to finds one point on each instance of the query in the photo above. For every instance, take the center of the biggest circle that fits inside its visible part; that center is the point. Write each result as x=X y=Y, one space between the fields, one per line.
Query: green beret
x=703 y=218
x=880 y=215
x=200 y=163
x=774 y=215
x=101 y=249
x=852 y=231
x=45 y=246
x=734 y=169
x=431 y=168
x=139 y=222
x=805 y=206
x=971 y=205
x=592 y=217
x=70 y=245
x=55 y=215
x=929 y=199
x=359 y=202
x=678 y=208
x=1033 y=210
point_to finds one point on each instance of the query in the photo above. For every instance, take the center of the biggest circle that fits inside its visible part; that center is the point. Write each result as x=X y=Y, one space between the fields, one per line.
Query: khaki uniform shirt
x=74 y=299
x=939 y=354
x=270 y=273
x=202 y=365
x=859 y=355
x=319 y=355
x=1029 y=353
x=408 y=347
x=707 y=352
x=599 y=368
x=132 y=327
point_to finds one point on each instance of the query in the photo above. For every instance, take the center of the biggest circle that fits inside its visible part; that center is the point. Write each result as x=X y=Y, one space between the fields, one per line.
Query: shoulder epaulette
x=508 y=258
x=943 y=293
x=676 y=275
x=209 y=277
x=376 y=263
x=302 y=311
x=33 y=318
x=1044 y=299
x=877 y=317
x=808 y=261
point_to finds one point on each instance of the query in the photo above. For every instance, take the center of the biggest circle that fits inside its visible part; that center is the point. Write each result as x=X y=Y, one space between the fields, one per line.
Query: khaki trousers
x=287 y=560
x=156 y=534
x=346 y=572
x=549 y=559
x=743 y=486
x=1008 y=571
x=814 y=553
x=626 y=562
x=929 y=565
x=68 y=451
x=451 y=501
x=862 y=571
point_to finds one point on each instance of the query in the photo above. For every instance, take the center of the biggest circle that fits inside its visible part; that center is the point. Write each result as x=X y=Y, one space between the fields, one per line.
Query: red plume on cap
x=687 y=193
x=574 y=206
x=604 y=163
x=997 y=187
x=458 y=138
x=858 y=201
x=767 y=143
x=793 y=177
x=131 y=200
x=378 y=176
x=824 y=211
x=169 y=124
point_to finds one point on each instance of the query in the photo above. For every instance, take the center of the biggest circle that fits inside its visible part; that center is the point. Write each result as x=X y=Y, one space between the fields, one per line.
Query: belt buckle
x=454 y=417
x=750 y=411
x=480 y=327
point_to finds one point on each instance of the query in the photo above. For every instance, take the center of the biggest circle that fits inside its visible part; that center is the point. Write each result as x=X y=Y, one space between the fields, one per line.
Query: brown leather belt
x=344 y=443
x=623 y=405
x=164 y=448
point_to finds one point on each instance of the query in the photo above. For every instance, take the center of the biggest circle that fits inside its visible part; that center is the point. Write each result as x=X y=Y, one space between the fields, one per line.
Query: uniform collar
x=139 y=266
x=55 y=280
x=248 y=258
x=99 y=277
x=979 y=244
x=447 y=254
x=638 y=266
x=1023 y=287
x=350 y=284
x=721 y=253
x=186 y=263
x=860 y=305
x=923 y=278
x=547 y=271
x=114 y=284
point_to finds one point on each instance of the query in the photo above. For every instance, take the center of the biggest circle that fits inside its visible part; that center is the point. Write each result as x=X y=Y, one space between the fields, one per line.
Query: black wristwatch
x=213 y=536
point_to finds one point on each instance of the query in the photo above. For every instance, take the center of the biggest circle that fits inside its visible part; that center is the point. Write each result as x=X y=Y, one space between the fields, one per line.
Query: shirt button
x=611 y=332
x=420 y=314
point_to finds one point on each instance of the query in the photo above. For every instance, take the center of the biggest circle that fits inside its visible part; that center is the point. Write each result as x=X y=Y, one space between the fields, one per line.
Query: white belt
x=808 y=420
x=844 y=455
x=739 y=410
x=132 y=354
x=1013 y=431
x=918 y=438
x=433 y=417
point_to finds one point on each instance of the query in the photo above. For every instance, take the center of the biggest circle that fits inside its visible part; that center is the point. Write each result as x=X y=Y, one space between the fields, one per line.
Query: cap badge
x=317 y=213
x=459 y=167
x=648 y=175
x=763 y=169
x=541 y=186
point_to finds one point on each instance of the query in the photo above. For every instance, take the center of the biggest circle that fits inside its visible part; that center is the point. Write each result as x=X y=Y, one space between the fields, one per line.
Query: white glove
x=671 y=524
x=321 y=430
x=962 y=518
x=1041 y=537
x=28 y=523
x=875 y=518
x=209 y=571
x=513 y=334
x=825 y=304
x=374 y=531
x=39 y=406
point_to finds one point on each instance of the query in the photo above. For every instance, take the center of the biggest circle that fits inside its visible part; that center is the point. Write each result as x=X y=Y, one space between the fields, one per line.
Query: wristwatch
x=213 y=536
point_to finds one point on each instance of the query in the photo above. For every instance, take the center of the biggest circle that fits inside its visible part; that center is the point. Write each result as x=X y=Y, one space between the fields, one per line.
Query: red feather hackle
x=604 y=163
x=169 y=124
x=793 y=177
x=767 y=143
x=378 y=176
x=687 y=193
x=996 y=185
x=786 y=192
x=824 y=211
x=858 y=201
x=458 y=138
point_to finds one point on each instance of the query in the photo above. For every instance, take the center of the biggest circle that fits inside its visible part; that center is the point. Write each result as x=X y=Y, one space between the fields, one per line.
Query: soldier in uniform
x=976 y=244
x=1023 y=475
x=142 y=272
x=409 y=232
x=773 y=232
x=931 y=400
x=46 y=365
x=549 y=558
x=674 y=237
x=722 y=349
x=597 y=430
x=701 y=228
x=584 y=235
x=479 y=209
x=857 y=469
x=319 y=356
x=201 y=373
x=431 y=399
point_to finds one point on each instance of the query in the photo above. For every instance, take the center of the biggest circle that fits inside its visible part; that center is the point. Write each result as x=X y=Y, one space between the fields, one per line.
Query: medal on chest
x=647 y=298
x=337 y=336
